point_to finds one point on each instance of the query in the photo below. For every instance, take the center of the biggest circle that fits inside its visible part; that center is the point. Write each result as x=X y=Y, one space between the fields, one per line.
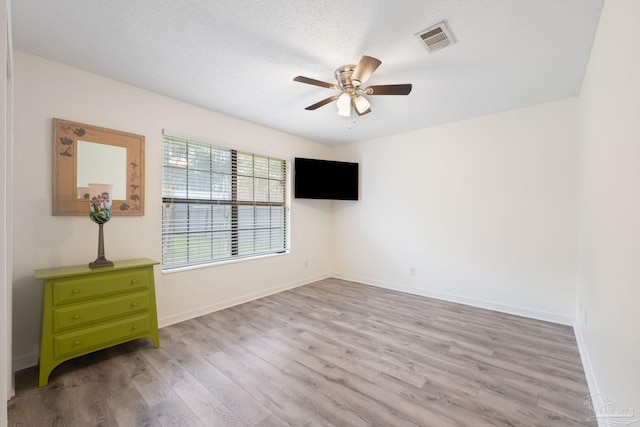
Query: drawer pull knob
x=76 y=316
x=76 y=290
x=76 y=343
x=134 y=304
x=134 y=327
x=134 y=281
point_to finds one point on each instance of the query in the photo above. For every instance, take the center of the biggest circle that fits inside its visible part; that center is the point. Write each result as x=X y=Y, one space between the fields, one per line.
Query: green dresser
x=90 y=309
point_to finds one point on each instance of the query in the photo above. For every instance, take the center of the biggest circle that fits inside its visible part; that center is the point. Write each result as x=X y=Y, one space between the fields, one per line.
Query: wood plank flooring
x=332 y=353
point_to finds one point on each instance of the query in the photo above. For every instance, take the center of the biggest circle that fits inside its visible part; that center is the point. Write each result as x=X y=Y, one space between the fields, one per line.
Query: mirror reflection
x=101 y=164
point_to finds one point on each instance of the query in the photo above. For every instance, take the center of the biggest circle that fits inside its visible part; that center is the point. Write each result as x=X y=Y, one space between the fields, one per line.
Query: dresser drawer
x=77 y=315
x=78 y=289
x=93 y=338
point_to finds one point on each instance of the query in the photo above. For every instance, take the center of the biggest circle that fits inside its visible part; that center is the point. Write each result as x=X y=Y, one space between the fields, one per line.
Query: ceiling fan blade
x=323 y=102
x=364 y=69
x=315 y=82
x=403 y=89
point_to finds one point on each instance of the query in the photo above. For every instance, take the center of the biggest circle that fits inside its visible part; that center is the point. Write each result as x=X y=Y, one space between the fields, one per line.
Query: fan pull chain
x=352 y=119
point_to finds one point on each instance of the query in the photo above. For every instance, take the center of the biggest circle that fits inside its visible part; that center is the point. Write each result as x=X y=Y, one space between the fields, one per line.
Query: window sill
x=225 y=262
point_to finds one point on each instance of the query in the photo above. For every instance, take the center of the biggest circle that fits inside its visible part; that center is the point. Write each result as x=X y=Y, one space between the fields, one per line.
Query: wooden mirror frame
x=65 y=145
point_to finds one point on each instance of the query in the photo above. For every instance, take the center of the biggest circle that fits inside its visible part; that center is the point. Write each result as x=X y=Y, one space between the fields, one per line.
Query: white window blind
x=220 y=204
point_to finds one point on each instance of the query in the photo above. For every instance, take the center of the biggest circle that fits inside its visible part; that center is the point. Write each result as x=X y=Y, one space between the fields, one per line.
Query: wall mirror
x=84 y=154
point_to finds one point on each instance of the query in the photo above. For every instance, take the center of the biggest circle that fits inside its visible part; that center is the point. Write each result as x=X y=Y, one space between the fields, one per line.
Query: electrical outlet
x=306 y=264
x=412 y=271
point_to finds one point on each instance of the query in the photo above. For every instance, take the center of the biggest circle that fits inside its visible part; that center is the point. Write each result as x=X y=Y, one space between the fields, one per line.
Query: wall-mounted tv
x=325 y=179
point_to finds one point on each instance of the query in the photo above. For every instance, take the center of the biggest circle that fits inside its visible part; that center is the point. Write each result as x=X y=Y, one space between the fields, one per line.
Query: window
x=220 y=204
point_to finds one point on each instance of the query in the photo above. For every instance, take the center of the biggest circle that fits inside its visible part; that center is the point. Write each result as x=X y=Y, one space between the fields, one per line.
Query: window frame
x=234 y=203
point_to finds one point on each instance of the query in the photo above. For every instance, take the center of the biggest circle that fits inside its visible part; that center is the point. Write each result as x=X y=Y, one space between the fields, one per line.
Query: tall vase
x=100 y=201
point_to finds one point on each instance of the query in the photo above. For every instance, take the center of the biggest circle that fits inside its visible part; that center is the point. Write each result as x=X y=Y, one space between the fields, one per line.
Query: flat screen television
x=325 y=179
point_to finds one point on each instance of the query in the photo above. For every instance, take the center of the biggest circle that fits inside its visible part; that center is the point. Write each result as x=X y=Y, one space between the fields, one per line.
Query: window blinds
x=220 y=204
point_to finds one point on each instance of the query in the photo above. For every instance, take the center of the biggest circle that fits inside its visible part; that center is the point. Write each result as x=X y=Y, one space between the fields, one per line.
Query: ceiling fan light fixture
x=344 y=104
x=344 y=112
x=361 y=104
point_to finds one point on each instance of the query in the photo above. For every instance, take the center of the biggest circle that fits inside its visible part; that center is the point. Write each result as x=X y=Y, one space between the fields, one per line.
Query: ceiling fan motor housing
x=343 y=76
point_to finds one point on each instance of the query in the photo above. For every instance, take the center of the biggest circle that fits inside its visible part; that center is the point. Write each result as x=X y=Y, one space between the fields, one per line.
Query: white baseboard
x=177 y=318
x=489 y=305
x=592 y=382
x=24 y=362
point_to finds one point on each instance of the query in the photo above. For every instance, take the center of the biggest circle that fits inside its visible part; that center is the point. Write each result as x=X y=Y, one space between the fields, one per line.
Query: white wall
x=44 y=90
x=6 y=377
x=483 y=209
x=608 y=301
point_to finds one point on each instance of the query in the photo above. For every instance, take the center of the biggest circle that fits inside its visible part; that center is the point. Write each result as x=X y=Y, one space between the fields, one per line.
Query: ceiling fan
x=350 y=79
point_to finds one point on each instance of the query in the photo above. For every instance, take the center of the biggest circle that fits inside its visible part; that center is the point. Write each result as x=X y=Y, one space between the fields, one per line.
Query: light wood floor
x=332 y=353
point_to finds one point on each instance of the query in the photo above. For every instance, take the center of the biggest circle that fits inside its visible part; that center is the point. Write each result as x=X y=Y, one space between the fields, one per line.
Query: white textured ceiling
x=240 y=57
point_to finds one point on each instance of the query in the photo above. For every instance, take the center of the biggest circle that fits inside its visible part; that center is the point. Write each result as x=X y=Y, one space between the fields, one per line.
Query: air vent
x=436 y=37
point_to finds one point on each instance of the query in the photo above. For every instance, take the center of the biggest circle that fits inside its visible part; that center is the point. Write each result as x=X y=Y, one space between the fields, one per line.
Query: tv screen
x=325 y=179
